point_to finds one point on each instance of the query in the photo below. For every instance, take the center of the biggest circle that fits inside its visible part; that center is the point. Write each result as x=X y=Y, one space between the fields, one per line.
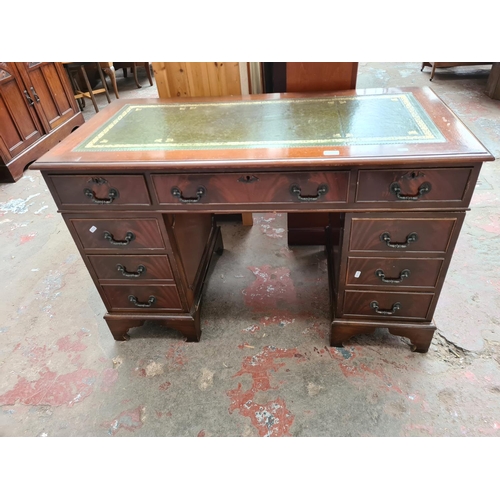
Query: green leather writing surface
x=284 y=123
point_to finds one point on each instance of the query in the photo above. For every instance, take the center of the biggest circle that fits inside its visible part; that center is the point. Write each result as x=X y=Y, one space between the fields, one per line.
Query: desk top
x=361 y=126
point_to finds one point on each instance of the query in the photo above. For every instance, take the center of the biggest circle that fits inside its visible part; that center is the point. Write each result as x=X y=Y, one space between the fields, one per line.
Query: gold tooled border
x=426 y=132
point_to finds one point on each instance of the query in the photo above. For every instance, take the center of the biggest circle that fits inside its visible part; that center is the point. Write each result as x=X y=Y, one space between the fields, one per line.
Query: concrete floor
x=263 y=366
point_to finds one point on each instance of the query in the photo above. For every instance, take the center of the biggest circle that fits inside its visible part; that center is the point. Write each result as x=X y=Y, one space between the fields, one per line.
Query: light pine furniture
x=394 y=168
x=37 y=110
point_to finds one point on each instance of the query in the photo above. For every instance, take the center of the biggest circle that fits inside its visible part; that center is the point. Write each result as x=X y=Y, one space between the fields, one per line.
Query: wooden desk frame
x=160 y=218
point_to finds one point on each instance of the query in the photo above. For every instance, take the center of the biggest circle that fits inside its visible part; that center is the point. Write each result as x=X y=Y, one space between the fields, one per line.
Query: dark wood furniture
x=493 y=84
x=394 y=168
x=37 y=110
x=435 y=65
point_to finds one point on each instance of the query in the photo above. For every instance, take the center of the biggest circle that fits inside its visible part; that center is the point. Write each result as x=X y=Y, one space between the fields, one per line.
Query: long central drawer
x=250 y=188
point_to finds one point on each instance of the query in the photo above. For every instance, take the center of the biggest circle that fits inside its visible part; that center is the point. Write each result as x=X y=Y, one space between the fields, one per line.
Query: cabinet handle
x=149 y=303
x=128 y=238
x=141 y=269
x=411 y=238
x=29 y=99
x=178 y=194
x=112 y=195
x=33 y=91
x=395 y=188
x=395 y=307
x=405 y=273
x=296 y=190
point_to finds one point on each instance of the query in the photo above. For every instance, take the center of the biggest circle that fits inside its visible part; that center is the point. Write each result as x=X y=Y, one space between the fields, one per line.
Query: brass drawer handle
x=405 y=273
x=411 y=238
x=141 y=269
x=395 y=188
x=149 y=303
x=128 y=238
x=199 y=193
x=395 y=307
x=112 y=195
x=296 y=190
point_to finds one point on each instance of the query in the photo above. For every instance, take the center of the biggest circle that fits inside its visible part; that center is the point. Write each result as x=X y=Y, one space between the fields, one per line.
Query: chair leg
x=112 y=76
x=432 y=72
x=103 y=80
x=148 y=73
x=134 y=70
x=89 y=87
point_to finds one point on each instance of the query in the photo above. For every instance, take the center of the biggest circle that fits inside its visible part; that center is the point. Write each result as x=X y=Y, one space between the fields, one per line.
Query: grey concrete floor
x=263 y=366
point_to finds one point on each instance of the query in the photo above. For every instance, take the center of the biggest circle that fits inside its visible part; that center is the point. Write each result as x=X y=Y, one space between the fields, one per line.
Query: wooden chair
x=133 y=67
x=76 y=70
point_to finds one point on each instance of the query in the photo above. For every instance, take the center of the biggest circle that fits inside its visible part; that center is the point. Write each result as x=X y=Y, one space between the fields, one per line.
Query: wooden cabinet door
x=19 y=123
x=49 y=87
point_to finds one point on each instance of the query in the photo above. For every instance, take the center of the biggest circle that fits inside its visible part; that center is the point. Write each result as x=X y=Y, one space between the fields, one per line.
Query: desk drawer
x=143 y=298
x=387 y=305
x=414 y=186
x=250 y=188
x=400 y=234
x=397 y=272
x=132 y=267
x=119 y=234
x=100 y=192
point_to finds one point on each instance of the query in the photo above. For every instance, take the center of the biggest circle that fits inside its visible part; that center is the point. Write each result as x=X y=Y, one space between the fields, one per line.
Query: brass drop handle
x=297 y=191
x=395 y=188
x=112 y=195
x=411 y=238
x=405 y=273
x=128 y=238
x=178 y=194
x=141 y=269
x=395 y=307
x=149 y=303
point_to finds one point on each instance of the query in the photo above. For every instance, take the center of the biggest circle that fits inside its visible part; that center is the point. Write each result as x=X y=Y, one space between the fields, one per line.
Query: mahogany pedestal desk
x=139 y=183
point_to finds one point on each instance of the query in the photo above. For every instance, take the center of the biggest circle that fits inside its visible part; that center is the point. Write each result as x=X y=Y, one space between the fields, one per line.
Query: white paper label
x=357 y=274
x=93 y=229
x=328 y=153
